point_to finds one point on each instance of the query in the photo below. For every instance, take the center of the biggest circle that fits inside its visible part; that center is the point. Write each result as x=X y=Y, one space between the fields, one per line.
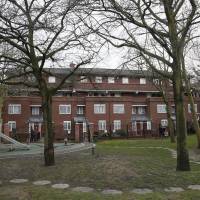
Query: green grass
x=116 y=165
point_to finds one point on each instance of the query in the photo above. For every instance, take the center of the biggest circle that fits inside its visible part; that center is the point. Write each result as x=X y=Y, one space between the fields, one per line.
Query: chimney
x=72 y=65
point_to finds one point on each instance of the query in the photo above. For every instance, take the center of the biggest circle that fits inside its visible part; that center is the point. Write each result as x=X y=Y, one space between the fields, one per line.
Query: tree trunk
x=49 y=132
x=169 y=118
x=192 y=105
x=181 y=131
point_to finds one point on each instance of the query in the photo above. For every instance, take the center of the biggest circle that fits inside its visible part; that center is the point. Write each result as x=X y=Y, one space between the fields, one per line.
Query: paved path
x=107 y=191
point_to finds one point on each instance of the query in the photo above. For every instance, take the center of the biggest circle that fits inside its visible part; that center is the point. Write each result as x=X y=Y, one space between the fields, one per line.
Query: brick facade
x=130 y=98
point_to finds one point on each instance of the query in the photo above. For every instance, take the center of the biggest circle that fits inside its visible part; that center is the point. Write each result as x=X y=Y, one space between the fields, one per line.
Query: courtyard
x=120 y=169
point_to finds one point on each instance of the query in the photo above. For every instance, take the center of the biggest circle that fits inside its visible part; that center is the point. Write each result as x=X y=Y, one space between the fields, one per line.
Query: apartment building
x=110 y=102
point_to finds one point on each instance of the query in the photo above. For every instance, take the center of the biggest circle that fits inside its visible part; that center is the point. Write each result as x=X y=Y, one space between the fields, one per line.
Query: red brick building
x=111 y=102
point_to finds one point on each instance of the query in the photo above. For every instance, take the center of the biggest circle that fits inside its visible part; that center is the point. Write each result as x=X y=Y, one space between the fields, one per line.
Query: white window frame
x=161 y=108
x=12 y=107
x=164 y=122
x=67 y=125
x=99 y=108
x=143 y=81
x=141 y=110
x=98 y=79
x=102 y=125
x=78 y=111
x=148 y=125
x=111 y=79
x=83 y=79
x=125 y=80
x=117 y=125
x=189 y=108
x=10 y=125
x=37 y=110
x=67 y=107
x=84 y=127
x=51 y=79
x=118 y=109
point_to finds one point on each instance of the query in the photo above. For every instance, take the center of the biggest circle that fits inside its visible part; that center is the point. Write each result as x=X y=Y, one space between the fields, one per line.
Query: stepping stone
x=60 y=186
x=174 y=189
x=194 y=187
x=82 y=189
x=42 y=182
x=141 y=191
x=111 y=192
x=17 y=180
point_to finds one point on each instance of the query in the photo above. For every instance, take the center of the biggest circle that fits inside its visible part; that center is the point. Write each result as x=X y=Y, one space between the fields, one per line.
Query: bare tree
x=153 y=28
x=38 y=34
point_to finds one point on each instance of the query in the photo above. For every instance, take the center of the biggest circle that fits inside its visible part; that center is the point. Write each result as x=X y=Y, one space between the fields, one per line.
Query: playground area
x=10 y=148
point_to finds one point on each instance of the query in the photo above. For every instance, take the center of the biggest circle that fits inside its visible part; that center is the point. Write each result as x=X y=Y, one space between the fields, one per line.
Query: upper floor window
x=140 y=110
x=164 y=122
x=83 y=79
x=98 y=79
x=111 y=79
x=52 y=79
x=14 y=109
x=99 y=108
x=142 y=81
x=161 y=108
x=80 y=109
x=173 y=109
x=189 y=108
x=67 y=125
x=64 y=109
x=156 y=81
x=102 y=125
x=35 y=110
x=118 y=108
x=125 y=80
x=12 y=125
x=117 y=124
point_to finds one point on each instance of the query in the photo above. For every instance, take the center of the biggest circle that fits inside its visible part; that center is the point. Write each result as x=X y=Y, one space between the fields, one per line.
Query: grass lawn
x=116 y=165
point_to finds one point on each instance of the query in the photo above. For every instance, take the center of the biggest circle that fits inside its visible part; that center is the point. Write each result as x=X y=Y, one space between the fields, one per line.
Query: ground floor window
x=102 y=125
x=12 y=125
x=117 y=125
x=67 y=125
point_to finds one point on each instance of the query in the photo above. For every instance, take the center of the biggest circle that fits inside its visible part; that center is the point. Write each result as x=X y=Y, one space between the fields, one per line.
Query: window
x=134 y=126
x=35 y=110
x=83 y=79
x=125 y=80
x=99 y=108
x=111 y=79
x=148 y=125
x=12 y=125
x=118 y=108
x=173 y=109
x=141 y=110
x=67 y=125
x=52 y=79
x=164 y=122
x=161 y=108
x=98 y=79
x=80 y=109
x=84 y=127
x=189 y=108
x=156 y=81
x=102 y=125
x=117 y=125
x=14 y=109
x=64 y=109
x=142 y=81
